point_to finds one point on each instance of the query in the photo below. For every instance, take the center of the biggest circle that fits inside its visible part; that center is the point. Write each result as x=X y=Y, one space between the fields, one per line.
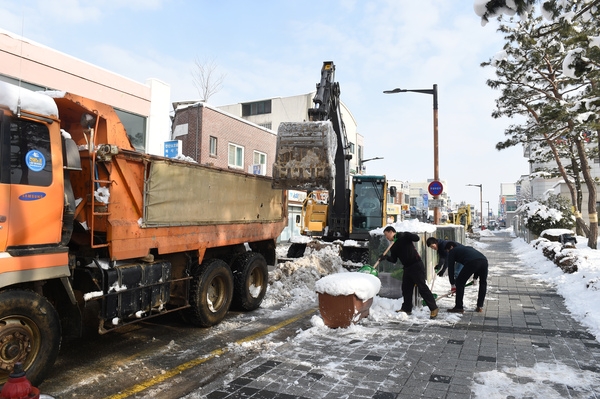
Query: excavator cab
x=368 y=205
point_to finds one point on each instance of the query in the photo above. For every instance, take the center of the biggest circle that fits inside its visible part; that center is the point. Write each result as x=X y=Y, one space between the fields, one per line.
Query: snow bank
x=292 y=283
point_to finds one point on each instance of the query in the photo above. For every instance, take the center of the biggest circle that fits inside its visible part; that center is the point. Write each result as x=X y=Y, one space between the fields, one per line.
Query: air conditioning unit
x=258 y=169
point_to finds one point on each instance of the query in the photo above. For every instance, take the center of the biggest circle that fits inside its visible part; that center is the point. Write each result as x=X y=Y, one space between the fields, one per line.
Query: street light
x=436 y=174
x=361 y=161
x=480 y=200
x=488 y=212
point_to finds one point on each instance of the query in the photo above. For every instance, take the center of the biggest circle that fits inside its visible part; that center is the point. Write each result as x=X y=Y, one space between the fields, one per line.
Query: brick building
x=214 y=137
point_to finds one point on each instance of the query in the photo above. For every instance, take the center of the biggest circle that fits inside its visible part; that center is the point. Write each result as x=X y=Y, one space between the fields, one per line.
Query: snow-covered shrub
x=565 y=258
x=553 y=213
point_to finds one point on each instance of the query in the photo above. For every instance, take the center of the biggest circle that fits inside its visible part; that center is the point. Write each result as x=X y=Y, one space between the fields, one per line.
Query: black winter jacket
x=404 y=249
x=461 y=254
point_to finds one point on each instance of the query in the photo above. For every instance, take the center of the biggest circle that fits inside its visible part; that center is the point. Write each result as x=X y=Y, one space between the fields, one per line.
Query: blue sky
x=272 y=48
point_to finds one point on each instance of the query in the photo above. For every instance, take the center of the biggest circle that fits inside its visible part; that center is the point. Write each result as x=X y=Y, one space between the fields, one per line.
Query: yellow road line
x=196 y=362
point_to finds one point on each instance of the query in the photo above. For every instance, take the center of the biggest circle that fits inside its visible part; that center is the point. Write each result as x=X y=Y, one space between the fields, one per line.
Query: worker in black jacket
x=439 y=246
x=474 y=263
x=404 y=250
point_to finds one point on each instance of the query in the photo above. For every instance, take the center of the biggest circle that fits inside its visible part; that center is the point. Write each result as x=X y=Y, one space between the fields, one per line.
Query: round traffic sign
x=435 y=188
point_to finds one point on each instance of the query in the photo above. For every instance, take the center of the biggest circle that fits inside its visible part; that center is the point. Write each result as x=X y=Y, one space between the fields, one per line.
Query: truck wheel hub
x=14 y=347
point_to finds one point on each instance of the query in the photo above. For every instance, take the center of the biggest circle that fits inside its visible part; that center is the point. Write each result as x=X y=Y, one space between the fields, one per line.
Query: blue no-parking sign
x=435 y=188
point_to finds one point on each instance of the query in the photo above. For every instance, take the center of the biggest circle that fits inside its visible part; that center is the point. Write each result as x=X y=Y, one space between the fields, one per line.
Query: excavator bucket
x=305 y=155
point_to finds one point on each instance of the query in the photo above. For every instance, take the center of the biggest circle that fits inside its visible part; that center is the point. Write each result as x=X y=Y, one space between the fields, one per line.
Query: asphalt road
x=164 y=357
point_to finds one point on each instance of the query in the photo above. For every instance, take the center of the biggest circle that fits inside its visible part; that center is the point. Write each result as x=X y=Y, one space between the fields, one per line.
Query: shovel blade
x=368 y=270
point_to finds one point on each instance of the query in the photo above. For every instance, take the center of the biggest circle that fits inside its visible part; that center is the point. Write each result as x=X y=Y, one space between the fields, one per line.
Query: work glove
x=453 y=289
x=383 y=257
x=441 y=274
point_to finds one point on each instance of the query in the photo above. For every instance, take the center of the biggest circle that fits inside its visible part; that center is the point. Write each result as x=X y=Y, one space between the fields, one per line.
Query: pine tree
x=552 y=9
x=548 y=73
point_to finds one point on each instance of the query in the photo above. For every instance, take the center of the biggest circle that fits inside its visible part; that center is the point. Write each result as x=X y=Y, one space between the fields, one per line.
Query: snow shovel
x=373 y=269
x=436 y=296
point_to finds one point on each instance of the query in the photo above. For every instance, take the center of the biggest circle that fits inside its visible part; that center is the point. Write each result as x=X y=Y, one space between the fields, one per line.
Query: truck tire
x=250 y=280
x=211 y=293
x=30 y=333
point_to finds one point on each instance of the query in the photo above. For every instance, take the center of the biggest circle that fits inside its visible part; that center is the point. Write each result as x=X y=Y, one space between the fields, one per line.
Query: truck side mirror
x=393 y=191
x=87 y=121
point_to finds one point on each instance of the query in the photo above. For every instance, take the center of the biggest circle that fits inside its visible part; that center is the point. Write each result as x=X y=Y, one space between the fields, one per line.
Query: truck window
x=30 y=156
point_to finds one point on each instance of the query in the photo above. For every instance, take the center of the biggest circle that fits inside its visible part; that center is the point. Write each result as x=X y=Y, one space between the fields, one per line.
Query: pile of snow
x=292 y=284
x=364 y=286
x=16 y=97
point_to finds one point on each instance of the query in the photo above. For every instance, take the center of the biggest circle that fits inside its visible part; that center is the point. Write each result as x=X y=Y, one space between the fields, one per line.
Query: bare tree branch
x=206 y=79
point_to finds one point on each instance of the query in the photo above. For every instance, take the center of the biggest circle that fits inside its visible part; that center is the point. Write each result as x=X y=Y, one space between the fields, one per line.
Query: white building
x=537 y=187
x=143 y=107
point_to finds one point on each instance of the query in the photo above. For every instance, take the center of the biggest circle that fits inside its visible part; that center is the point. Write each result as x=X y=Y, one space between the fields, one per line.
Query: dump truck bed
x=132 y=202
x=179 y=206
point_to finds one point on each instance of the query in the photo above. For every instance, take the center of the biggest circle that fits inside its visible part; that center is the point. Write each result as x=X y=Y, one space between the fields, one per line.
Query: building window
x=212 y=146
x=260 y=158
x=351 y=148
x=135 y=125
x=256 y=108
x=236 y=156
x=259 y=163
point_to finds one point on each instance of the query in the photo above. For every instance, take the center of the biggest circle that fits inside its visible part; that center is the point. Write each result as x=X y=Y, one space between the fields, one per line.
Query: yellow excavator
x=314 y=156
x=462 y=216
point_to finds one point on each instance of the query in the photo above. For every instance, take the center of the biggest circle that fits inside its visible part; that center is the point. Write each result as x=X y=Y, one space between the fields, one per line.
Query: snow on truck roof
x=39 y=102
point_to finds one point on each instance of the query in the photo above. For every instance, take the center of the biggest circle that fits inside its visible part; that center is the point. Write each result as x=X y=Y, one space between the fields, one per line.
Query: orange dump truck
x=94 y=233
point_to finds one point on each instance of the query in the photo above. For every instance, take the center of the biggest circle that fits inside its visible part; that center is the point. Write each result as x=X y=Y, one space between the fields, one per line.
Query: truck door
x=35 y=194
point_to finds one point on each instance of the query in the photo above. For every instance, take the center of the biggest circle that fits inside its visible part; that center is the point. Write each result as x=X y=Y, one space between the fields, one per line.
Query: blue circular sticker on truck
x=35 y=160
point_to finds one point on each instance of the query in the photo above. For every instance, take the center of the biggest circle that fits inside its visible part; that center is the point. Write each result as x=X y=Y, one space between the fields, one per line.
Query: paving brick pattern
x=523 y=324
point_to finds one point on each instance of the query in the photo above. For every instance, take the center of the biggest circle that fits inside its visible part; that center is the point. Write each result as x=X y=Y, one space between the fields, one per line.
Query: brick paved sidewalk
x=524 y=325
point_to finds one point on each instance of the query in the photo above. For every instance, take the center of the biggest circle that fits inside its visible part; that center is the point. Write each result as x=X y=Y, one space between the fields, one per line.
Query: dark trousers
x=479 y=267
x=415 y=275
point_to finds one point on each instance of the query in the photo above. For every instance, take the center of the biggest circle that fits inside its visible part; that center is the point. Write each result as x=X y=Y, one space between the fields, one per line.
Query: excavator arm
x=315 y=155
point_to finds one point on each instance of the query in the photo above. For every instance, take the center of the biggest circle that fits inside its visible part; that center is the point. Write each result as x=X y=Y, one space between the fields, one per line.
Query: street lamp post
x=488 y=211
x=480 y=200
x=361 y=161
x=436 y=172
